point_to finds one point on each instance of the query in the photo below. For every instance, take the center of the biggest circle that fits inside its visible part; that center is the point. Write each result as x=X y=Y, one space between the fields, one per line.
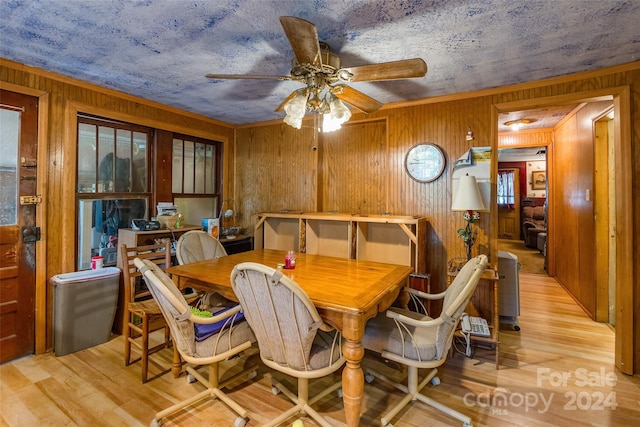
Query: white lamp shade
x=467 y=196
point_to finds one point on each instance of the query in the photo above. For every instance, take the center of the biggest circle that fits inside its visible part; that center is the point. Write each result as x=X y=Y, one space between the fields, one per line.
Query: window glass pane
x=106 y=169
x=178 y=162
x=123 y=160
x=9 y=141
x=195 y=208
x=98 y=224
x=140 y=174
x=210 y=171
x=87 y=143
x=189 y=167
x=199 y=170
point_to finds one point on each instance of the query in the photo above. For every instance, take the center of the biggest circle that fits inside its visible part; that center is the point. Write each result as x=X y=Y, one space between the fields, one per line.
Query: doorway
x=526 y=238
x=625 y=330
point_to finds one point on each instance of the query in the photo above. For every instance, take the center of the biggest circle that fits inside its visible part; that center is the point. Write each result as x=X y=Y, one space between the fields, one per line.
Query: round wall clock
x=425 y=162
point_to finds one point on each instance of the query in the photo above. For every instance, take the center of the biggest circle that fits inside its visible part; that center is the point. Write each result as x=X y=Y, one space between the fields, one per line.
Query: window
x=506 y=191
x=196 y=177
x=113 y=184
x=10 y=125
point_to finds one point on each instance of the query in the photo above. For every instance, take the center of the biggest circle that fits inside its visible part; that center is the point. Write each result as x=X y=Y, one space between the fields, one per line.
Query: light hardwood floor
x=557 y=370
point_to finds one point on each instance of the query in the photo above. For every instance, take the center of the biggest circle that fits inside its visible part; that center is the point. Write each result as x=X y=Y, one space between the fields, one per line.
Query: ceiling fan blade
x=404 y=69
x=287 y=99
x=247 y=76
x=303 y=37
x=356 y=98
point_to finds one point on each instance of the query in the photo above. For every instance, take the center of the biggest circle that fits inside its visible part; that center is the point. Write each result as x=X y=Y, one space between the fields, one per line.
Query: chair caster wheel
x=435 y=381
x=240 y=422
x=275 y=390
x=516 y=328
x=369 y=378
x=191 y=379
x=339 y=392
x=156 y=423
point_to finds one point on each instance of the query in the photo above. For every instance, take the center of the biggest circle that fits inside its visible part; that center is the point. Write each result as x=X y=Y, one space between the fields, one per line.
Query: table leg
x=352 y=382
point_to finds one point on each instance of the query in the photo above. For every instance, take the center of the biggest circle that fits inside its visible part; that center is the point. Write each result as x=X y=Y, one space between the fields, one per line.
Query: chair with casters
x=228 y=335
x=142 y=315
x=198 y=245
x=419 y=341
x=291 y=336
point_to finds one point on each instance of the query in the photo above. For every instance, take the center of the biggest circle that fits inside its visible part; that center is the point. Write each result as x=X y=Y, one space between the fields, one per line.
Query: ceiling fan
x=319 y=69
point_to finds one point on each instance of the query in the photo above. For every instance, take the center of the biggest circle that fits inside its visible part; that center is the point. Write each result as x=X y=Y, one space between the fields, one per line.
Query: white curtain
x=506 y=192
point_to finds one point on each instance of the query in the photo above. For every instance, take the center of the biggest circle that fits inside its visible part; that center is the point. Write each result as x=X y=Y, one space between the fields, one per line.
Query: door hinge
x=30 y=234
x=30 y=200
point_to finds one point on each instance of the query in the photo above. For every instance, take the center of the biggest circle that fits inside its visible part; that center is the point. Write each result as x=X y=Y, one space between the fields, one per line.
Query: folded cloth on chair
x=204 y=331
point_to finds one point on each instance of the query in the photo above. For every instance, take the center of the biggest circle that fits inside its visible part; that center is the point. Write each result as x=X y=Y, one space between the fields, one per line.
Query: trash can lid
x=82 y=276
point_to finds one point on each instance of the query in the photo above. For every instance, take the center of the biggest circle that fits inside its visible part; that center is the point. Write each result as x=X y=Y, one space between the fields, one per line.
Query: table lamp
x=467 y=199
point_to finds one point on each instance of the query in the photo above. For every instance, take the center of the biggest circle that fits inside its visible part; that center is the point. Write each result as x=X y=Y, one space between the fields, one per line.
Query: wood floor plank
x=556 y=339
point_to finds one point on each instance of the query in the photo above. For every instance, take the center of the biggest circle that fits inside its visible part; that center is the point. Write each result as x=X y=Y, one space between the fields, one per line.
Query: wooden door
x=509 y=219
x=18 y=169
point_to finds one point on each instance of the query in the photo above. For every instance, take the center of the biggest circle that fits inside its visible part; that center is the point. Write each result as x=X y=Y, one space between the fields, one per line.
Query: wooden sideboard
x=395 y=239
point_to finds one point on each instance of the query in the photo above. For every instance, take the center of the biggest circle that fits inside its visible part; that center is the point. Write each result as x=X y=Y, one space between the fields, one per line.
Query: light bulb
x=338 y=110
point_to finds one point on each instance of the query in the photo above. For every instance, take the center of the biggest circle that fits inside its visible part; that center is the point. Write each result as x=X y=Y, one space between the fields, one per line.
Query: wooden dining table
x=346 y=293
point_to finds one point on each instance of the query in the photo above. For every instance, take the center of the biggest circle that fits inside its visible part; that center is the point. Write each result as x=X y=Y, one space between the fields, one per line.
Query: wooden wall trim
x=42 y=184
x=625 y=298
x=22 y=89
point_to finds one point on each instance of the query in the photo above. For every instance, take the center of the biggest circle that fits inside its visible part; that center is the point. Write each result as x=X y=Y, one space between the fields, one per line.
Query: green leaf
x=202 y=313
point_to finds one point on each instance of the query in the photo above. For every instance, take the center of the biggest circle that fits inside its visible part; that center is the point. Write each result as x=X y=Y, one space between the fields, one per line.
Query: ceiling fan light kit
x=517 y=124
x=319 y=69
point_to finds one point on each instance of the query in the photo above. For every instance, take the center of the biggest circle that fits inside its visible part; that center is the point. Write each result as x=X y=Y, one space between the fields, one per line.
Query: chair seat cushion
x=321 y=355
x=223 y=341
x=382 y=334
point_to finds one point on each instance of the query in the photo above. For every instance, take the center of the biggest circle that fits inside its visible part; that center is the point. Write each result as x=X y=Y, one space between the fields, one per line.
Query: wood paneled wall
x=525 y=138
x=270 y=167
x=573 y=204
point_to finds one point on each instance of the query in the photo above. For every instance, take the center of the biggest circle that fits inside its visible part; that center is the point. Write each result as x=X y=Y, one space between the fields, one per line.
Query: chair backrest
x=456 y=299
x=172 y=303
x=230 y=338
x=283 y=318
x=159 y=254
x=197 y=245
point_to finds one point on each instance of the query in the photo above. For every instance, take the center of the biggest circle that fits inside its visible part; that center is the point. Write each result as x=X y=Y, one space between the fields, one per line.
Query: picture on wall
x=538 y=180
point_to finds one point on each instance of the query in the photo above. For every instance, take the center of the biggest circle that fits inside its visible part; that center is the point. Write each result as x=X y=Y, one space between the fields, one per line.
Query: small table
x=484 y=303
x=346 y=293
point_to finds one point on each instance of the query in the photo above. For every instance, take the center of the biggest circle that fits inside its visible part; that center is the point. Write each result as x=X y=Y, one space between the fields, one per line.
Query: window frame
x=216 y=192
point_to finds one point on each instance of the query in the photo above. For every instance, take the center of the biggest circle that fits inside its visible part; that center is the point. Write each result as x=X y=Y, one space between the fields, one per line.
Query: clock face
x=425 y=162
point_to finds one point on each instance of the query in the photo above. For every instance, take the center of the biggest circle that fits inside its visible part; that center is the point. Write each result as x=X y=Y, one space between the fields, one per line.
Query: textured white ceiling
x=161 y=49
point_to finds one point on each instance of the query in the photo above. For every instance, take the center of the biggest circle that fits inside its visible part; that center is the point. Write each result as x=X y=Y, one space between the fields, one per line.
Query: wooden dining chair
x=142 y=316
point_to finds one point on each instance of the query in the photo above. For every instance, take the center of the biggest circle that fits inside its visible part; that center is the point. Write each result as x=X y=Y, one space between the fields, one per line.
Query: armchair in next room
x=533 y=223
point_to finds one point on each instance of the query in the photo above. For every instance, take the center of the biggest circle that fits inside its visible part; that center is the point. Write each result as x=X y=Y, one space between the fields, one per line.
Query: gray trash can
x=84 y=306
